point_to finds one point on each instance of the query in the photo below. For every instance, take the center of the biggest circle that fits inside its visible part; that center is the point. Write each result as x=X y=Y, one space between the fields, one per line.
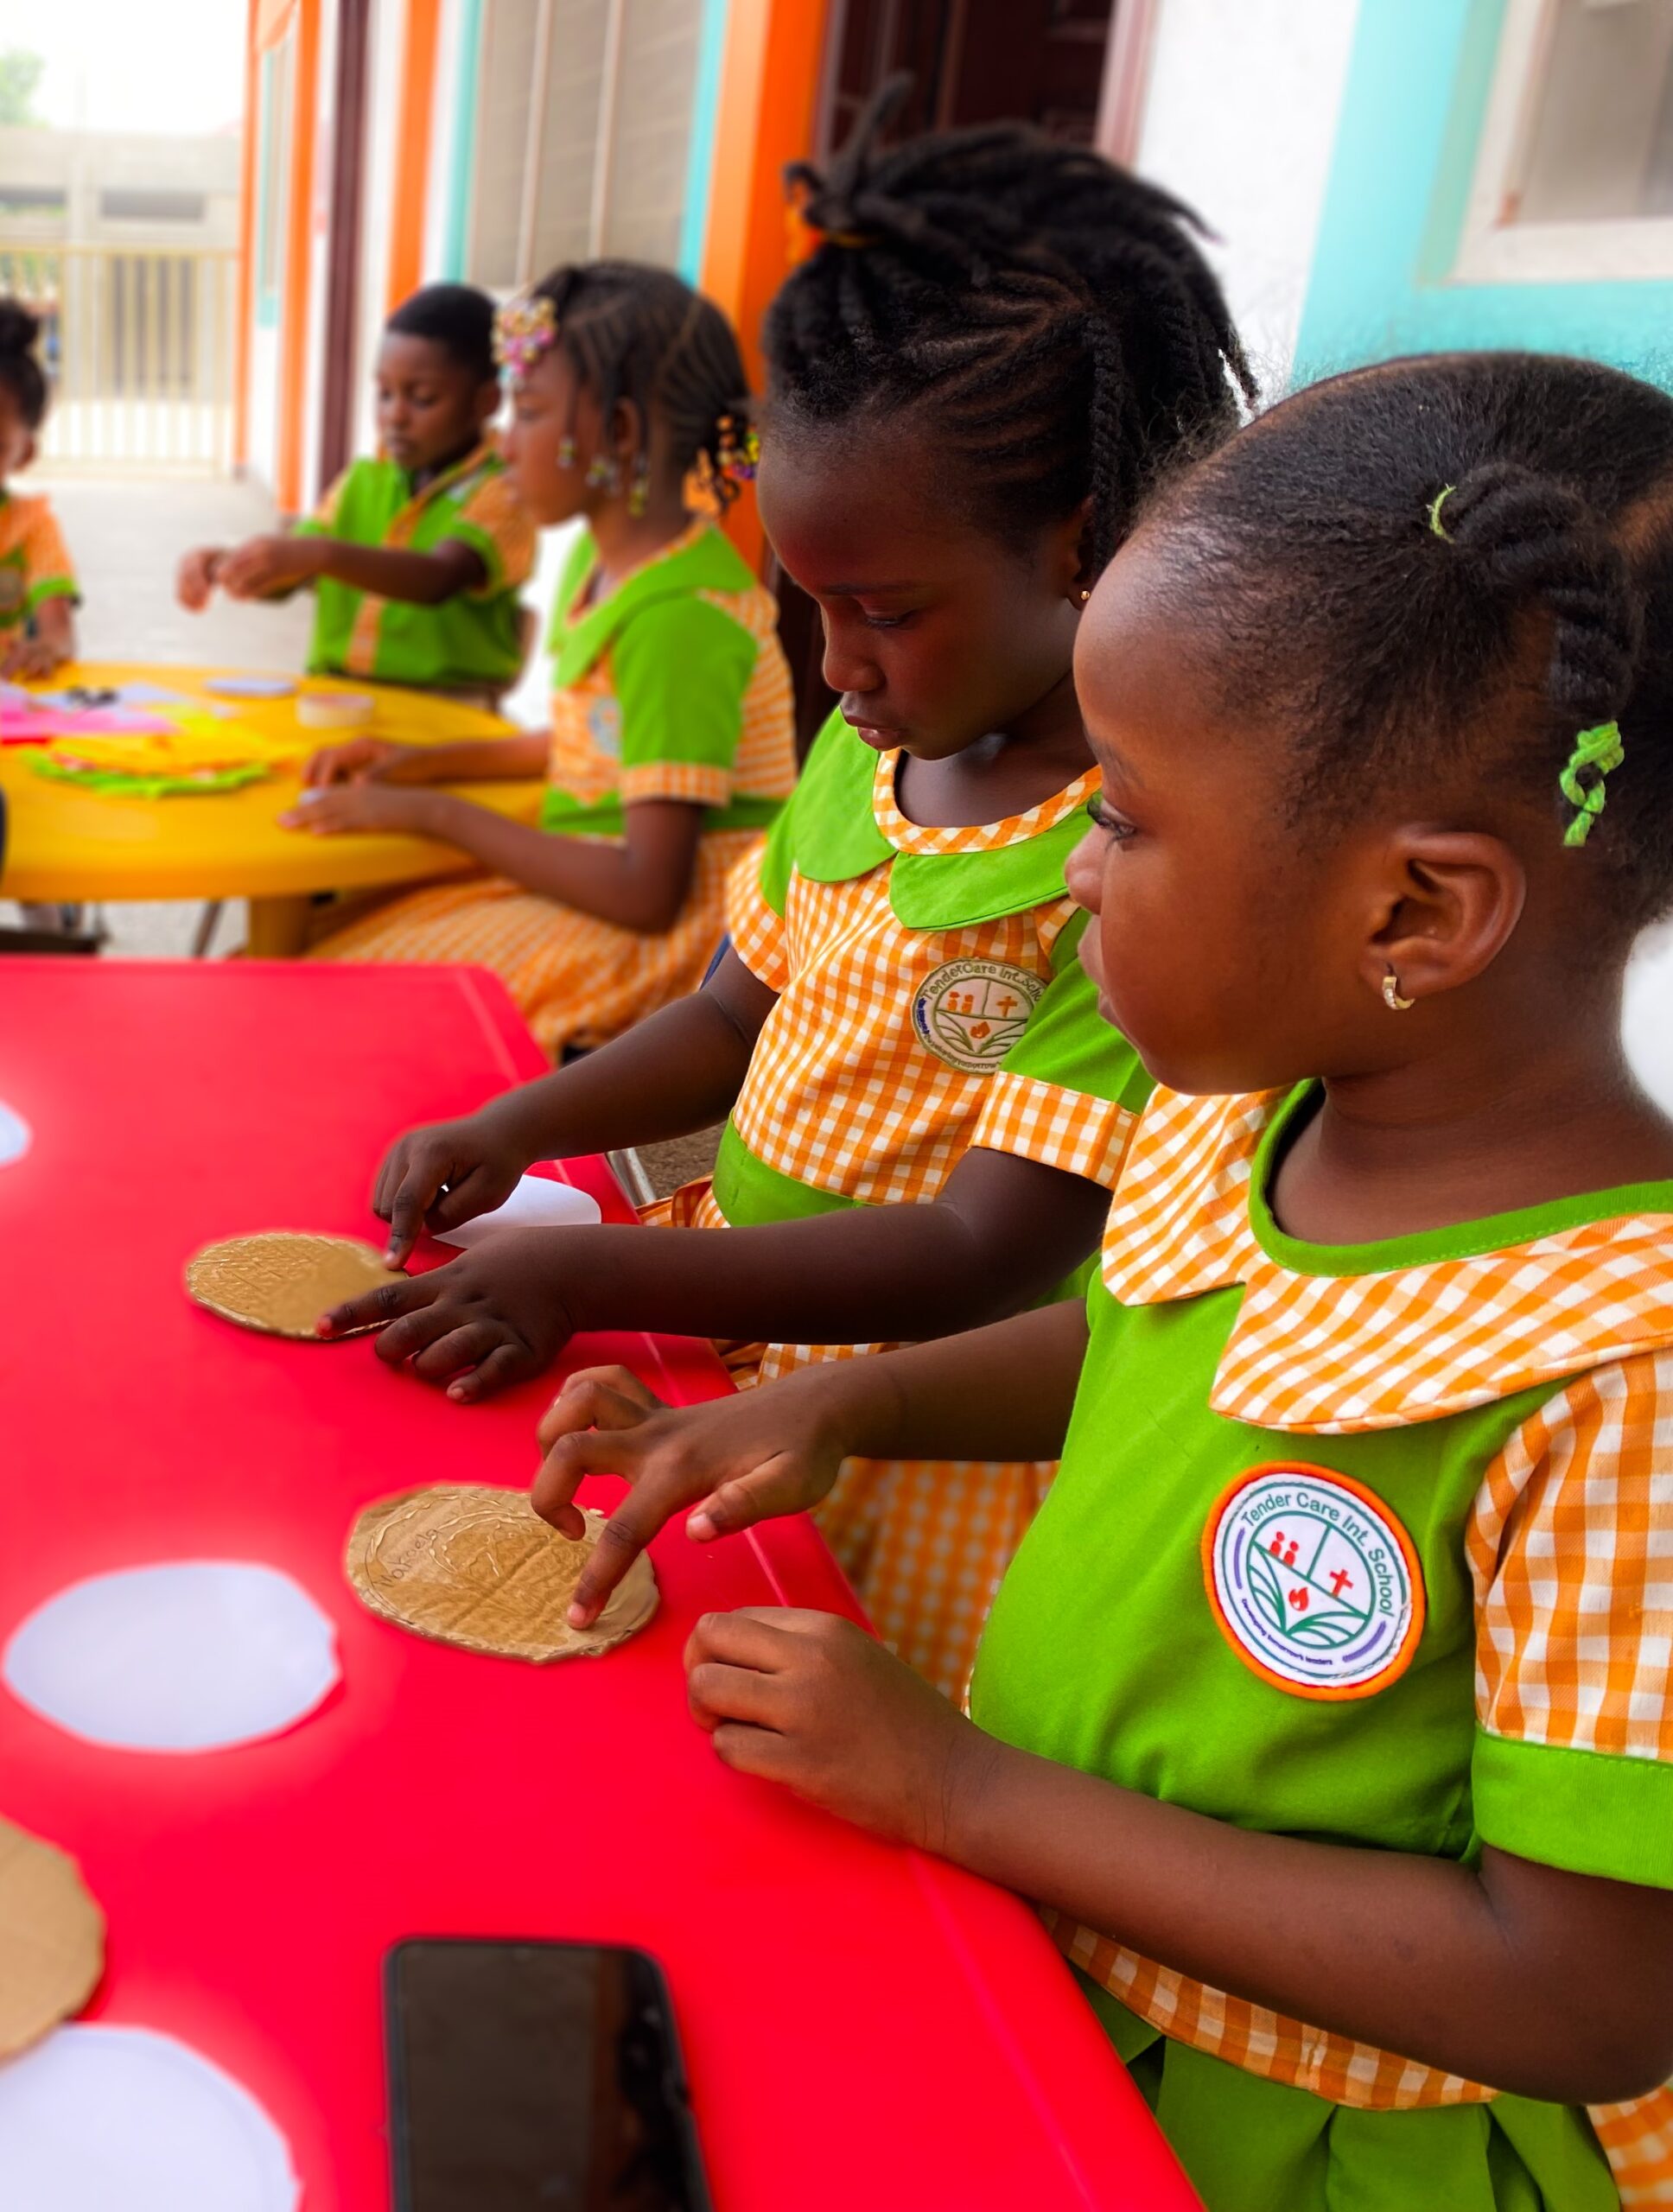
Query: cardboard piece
x=537 y=1202
x=51 y=1939
x=281 y=1280
x=469 y=1564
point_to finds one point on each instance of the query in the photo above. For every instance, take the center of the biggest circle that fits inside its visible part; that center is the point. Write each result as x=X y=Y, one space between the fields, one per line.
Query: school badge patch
x=970 y=1013
x=1314 y=1583
x=604 y=726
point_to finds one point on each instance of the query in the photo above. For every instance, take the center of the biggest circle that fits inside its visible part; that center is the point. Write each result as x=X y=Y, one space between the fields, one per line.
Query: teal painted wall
x=700 y=159
x=1412 y=111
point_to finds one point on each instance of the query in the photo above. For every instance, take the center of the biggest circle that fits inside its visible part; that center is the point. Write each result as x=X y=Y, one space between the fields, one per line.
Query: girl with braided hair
x=672 y=746
x=994 y=344
x=1326 y=1708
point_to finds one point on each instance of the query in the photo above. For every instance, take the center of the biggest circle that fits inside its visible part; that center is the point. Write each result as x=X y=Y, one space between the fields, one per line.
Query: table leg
x=278 y=928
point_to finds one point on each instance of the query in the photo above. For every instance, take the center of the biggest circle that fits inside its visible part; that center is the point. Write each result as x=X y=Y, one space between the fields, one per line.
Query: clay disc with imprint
x=282 y=1279
x=469 y=1564
x=51 y=1939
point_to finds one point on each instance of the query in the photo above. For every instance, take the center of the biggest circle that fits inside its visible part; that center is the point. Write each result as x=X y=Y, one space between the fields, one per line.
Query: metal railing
x=138 y=342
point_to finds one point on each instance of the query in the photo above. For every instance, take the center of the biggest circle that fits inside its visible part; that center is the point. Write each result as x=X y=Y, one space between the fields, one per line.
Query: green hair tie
x=1436 y=505
x=1597 y=753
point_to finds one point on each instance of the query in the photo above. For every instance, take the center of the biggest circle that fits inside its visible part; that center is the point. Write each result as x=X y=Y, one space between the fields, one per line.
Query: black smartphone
x=537 y=2077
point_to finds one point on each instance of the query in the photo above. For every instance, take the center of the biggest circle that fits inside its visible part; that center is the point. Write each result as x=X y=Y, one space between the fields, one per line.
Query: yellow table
x=75 y=846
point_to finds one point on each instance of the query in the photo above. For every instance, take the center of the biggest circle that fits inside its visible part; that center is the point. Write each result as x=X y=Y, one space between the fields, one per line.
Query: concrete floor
x=126 y=534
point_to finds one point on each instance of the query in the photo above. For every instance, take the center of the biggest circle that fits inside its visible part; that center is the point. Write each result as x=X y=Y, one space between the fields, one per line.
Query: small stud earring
x=1084 y=591
x=1391 y=997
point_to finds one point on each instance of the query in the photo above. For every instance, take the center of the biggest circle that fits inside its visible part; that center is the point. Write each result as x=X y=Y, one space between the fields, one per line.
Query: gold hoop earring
x=1391 y=997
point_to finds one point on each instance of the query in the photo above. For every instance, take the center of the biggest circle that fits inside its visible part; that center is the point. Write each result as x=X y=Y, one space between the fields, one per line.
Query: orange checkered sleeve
x=759 y=935
x=1571 y=1551
x=501 y=532
x=693 y=781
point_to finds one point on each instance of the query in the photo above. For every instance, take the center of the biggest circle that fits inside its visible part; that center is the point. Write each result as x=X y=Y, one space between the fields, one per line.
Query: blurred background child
x=38 y=594
x=416 y=556
x=672 y=746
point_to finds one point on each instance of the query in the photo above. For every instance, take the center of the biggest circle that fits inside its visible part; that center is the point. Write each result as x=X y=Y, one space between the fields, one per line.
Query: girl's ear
x=1453 y=900
x=1070 y=555
x=626 y=424
x=487 y=403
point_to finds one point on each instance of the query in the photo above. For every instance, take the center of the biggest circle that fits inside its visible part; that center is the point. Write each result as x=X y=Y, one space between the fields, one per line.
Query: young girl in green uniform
x=1326 y=1707
x=995 y=342
x=417 y=555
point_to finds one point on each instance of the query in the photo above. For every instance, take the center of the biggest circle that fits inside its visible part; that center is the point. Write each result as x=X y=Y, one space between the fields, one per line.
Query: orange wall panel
x=406 y=245
x=298 y=261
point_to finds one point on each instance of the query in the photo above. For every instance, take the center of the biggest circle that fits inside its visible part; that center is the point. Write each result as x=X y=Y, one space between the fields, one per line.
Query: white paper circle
x=186 y=1658
x=97 y=2117
x=16 y=1135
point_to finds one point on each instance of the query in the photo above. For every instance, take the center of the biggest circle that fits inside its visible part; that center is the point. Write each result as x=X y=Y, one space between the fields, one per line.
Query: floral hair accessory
x=740 y=450
x=1597 y=753
x=524 y=329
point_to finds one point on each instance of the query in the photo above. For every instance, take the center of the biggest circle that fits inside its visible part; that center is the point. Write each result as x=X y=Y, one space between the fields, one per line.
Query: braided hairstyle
x=1439 y=573
x=1051 y=315
x=21 y=373
x=457 y=318
x=636 y=333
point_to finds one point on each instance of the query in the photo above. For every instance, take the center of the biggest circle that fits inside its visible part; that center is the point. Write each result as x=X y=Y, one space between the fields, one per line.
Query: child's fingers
x=763 y=1494
x=418 y=1328
x=598 y=1397
x=460 y=1349
x=479 y=1190
x=420 y=1184
x=750 y=1636
x=715 y=1693
x=373 y=1308
x=505 y=1364
x=654 y=1499
x=749 y=1750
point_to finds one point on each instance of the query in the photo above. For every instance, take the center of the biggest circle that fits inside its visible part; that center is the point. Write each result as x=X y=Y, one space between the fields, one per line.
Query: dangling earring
x=1391 y=997
x=566 y=451
x=602 y=474
x=639 y=496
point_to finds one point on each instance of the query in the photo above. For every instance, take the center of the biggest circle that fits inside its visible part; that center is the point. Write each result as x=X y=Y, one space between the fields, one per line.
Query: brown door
x=1038 y=61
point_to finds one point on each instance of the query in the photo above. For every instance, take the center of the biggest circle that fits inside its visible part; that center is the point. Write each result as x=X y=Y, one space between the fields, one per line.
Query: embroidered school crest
x=1314 y=1583
x=604 y=725
x=970 y=1013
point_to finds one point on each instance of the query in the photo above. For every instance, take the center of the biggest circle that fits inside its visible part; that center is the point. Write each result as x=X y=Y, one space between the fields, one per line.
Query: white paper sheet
x=536 y=1203
x=123 y=2119
x=15 y=1134
x=189 y=1657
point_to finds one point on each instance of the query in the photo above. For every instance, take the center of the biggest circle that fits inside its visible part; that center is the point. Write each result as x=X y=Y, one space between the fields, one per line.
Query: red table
x=864 y=2027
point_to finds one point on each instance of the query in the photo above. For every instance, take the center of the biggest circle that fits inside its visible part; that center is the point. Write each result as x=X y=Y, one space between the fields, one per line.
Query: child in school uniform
x=672 y=745
x=1326 y=1709
x=994 y=343
x=38 y=595
x=416 y=555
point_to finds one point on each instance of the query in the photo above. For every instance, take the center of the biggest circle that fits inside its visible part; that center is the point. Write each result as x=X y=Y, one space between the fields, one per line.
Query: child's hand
x=811 y=1700
x=27 y=657
x=490 y=1318
x=367 y=761
x=464 y=1159
x=263 y=566
x=738 y=1461
x=329 y=810
x=196 y=577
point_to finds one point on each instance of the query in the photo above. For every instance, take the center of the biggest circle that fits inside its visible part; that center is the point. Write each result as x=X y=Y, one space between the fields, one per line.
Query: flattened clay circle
x=51 y=1939
x=281 y=1280
x=467 y=1564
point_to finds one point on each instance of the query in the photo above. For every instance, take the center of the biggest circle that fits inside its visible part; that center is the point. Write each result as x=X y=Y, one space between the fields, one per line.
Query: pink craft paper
x=41 y=725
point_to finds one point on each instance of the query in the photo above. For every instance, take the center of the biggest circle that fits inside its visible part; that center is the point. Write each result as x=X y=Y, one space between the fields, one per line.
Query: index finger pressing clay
x=469 y=1564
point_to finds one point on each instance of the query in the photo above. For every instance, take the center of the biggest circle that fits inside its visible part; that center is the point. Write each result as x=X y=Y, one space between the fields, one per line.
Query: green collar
x=700 y=559
x=1464 y=1239
x=838 y=838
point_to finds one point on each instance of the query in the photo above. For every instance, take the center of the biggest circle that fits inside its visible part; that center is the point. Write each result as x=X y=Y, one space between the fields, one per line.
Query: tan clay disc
x=471 y=1564
x=51 y=1939
x=282 y=1279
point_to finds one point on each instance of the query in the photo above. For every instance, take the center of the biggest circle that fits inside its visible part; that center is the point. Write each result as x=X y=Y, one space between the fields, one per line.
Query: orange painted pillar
x=298 y=261
x=769 y=92
x=406 y=245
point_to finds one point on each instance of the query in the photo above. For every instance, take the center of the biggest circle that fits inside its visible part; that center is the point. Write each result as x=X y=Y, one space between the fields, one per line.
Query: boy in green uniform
x=416 y=556
x=1325 y=1709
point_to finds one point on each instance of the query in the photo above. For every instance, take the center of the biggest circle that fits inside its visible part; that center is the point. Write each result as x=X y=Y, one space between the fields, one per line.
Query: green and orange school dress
x=930 y=1000
x=472 y=643
x=1372 y=1545
x=34 y=563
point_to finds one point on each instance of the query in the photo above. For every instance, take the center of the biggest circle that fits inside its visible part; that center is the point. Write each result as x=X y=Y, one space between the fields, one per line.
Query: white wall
x=385 y=61
x=1240 y=120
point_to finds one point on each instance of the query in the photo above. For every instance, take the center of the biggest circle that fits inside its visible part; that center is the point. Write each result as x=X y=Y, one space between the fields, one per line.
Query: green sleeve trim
x=1589 y=1812
x=952 y=891
x=311 y=526
x=51 y=587
x=561 y=816
x=679 y=670
x=778 y=860
x=709 y=563
x=749 y=1192
x=1068 y=1044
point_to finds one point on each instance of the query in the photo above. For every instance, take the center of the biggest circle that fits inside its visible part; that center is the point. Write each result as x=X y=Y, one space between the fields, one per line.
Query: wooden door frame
x=342 y=279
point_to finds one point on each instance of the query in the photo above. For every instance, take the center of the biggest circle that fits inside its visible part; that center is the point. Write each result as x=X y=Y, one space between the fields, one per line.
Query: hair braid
x=1052 y=314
